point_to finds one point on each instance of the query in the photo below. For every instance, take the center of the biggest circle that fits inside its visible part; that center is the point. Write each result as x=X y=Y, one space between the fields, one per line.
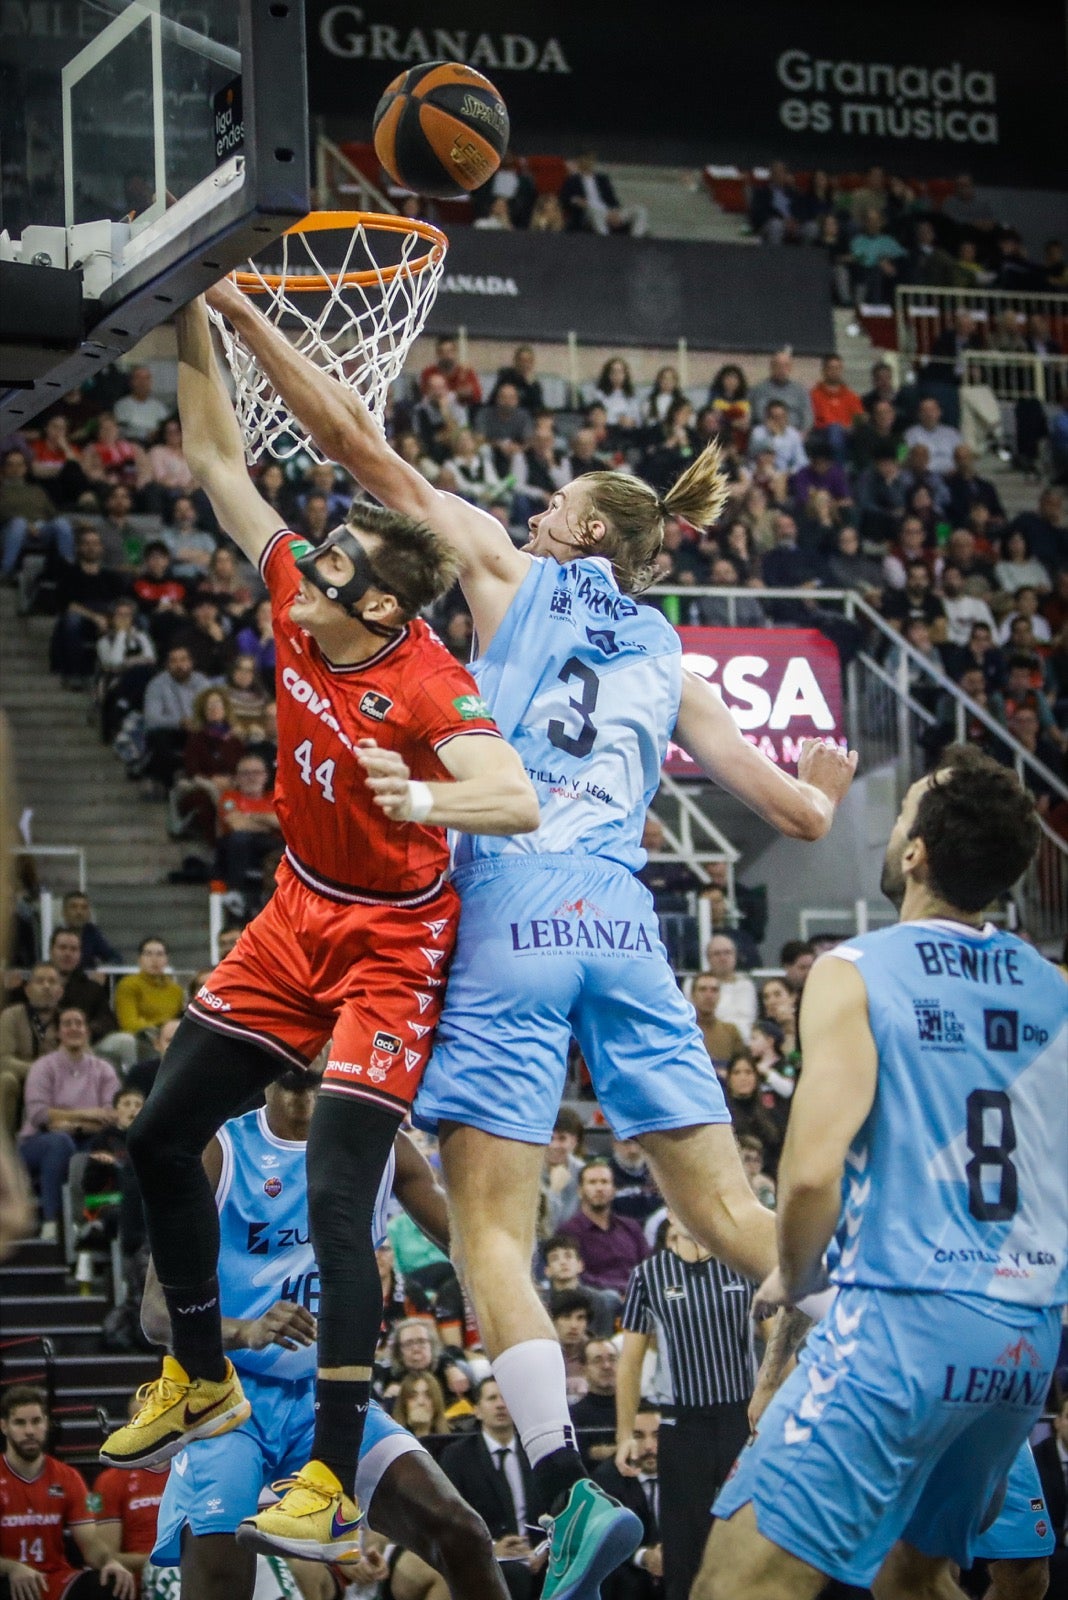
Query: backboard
x=146 y=147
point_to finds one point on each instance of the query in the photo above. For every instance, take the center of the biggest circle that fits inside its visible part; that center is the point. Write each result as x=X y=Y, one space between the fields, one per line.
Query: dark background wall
x=924 y=86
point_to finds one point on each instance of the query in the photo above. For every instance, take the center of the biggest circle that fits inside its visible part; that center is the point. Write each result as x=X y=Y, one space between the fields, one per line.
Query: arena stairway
x=79 y=795
x=51 y=1332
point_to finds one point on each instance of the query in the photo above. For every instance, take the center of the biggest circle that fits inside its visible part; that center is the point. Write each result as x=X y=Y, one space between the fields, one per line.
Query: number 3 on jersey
x=323 y=774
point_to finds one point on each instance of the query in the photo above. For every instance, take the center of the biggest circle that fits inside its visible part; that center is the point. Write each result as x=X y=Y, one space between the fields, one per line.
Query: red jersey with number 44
x=34 y=1513
x=410 y=696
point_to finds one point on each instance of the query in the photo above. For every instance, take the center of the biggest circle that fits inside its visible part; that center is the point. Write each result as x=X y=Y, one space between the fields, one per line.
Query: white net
x=355 y=317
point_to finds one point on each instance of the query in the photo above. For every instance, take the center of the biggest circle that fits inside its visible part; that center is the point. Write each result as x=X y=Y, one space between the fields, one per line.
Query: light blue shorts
x=900 y=1421
x=1023 y=1531
x=215 y=1484
x=551 y=946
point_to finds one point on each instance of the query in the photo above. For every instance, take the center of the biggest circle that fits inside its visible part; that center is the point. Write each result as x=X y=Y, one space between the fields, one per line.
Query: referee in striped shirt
x=697 y=1311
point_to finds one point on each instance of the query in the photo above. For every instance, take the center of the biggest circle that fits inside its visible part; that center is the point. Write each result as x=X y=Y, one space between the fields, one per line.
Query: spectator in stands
x=778 y=1004
x=1045 y=529
x=191 y=547
x=539 y=470
x=564 y=1161
x=142 y=1075
x=472 y=463
x=929 y=265
x=723 y=1040
x=149 y=997
x=68 y=1095
x=874 y=254
x=57 y=463
x=916 y=599
x=206 y=636
x=940 y=440
x=796 y=958
x=926 y=494
x=824 y=473
x=209 y=762
x=881 y=498
x=962 y=549
x=125 y=658
x=665 y=391
x=112 y=459
x=1026 y=728
x=737 y=1001
x=90 y=995
x=28 y=519
x=255 y=641
x=611 y=1245
x=564 y=1267
x=777 y=1076
x=570 y=1312
x=313 y=518
x=29 y=1028
x=168 y=712
x=748 y=1113
x=670 y=454
x=962 y=611
x=159 y=592
x=490 y=1470
x=591 y=205
x=615 y=389
x=437 y=418
x=777 y=434
x=1025 y=608
x=420 y=1405
x=548 y=215
x=85 y=589
x=835 y=406
x=911 y=546
x=789 y=566
x=877 y=432
x=883 y=387
x=498 y=217
x=122 y=538
x=1018 y=566
x=521 y=375
x=713 y=612
x=167 y=464
x=637 y=1195
x=780 y=385
x=505 y=426
x=728 y=398
x=761 y=1182
x=981 y=651
x=460 y=381
x=584 y=455
x=47 y=1504
x=321 y=479
x=141 y=413
x=849 y=568
x=1055 y=605
x=776 y=208
x=227 y=581
x=248 y=825
x=595 y=1414
x=96 y=949
x=967 y=489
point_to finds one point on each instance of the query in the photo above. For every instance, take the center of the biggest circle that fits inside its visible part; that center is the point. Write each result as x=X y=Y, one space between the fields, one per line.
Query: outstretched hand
x=224 y=297
x=827 y=768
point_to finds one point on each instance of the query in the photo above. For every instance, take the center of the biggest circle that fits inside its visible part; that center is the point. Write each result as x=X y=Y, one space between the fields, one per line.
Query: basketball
x=440 y=129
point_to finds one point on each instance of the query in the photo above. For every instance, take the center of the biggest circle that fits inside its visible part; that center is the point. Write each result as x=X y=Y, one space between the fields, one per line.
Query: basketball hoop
x=356 y=320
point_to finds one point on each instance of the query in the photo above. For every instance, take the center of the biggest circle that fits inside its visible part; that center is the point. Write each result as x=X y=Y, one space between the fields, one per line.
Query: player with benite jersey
x=383 y=743
x=926 y=1138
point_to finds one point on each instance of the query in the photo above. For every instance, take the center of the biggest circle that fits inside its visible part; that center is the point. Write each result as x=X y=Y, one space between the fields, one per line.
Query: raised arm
x=491 y=569
x=801 y=807
x=490 y=792
x=211 y=438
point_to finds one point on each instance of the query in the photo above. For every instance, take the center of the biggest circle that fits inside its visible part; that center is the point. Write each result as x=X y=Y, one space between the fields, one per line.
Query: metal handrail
x=368 y=194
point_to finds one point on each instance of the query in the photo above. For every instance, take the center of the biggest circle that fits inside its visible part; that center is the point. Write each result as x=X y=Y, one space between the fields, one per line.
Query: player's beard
x=892 y=880
x=29 y=1450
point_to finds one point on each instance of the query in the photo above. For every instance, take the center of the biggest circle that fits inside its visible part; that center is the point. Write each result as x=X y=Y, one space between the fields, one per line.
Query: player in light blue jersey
x=269 y=1286
x=926 y=1140
x=557 y=936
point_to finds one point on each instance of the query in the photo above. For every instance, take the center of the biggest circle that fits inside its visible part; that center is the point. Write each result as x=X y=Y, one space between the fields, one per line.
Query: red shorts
x=368 y=978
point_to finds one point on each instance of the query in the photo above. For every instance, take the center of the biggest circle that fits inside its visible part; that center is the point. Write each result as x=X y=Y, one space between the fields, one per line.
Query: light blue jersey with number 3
x=585 y=684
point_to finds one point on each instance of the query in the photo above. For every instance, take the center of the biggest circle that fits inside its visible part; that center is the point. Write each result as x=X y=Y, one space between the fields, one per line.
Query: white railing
x=1018 y=374
x=341 y=185
x=1001 y=315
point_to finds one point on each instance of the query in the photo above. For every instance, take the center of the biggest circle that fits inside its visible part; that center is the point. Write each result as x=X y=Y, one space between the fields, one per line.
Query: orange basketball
x=441 y=129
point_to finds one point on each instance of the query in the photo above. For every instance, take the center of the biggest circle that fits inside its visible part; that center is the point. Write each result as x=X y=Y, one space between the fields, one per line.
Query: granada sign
x=781 y=686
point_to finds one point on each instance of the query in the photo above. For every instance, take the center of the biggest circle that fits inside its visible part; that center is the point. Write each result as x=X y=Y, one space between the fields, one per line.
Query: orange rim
x=339 y=221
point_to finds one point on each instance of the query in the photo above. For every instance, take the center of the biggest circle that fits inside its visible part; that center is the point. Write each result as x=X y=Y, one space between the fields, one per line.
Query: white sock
x=534 y=1385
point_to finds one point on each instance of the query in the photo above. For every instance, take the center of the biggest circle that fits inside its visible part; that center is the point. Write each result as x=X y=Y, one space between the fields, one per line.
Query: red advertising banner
x=781 y=685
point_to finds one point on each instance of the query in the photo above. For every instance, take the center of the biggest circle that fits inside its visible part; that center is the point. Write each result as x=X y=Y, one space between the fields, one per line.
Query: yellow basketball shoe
x=175 y=1410
x=315 y=1519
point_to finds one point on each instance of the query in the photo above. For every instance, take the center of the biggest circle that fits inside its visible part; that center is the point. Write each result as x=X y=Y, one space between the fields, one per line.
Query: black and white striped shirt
x=699 y=1312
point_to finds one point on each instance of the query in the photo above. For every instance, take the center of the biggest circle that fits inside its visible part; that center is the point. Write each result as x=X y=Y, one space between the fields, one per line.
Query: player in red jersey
x=383 y=742
x=127 y=1509
x=41 y=1501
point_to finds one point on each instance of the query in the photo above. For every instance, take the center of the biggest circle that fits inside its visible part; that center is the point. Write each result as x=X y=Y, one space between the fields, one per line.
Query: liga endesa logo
x=780 y=685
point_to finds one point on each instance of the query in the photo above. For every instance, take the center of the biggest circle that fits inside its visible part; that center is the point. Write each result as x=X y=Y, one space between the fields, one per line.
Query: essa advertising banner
x=923 y=89
x=781 y=685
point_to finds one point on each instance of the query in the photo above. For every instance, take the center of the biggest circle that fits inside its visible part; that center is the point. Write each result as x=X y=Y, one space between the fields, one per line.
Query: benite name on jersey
x=942 y=958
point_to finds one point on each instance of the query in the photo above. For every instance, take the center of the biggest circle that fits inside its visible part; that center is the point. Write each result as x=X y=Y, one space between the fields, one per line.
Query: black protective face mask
x=348 y=594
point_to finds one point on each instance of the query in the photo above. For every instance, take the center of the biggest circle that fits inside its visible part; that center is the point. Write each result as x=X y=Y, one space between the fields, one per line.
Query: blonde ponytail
x=634 y=514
